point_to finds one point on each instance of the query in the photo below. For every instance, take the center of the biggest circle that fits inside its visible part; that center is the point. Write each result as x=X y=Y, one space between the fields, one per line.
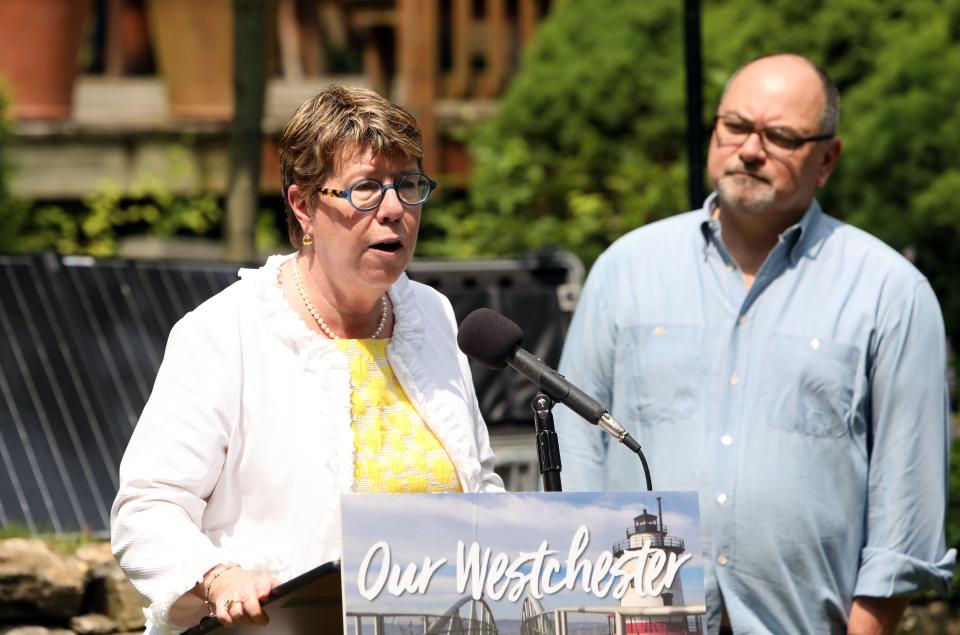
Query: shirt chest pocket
x=662 y=371
x=809 y=385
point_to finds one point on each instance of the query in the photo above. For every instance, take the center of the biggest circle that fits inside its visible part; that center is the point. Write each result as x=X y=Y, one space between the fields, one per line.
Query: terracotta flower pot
x=193 y=46
x=39 y=48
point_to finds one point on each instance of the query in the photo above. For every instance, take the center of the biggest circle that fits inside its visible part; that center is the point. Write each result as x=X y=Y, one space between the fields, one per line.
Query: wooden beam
x=497 y=44
x=288 y=33
x=113 y=49
x=456 y=81
x=417 y=42
x=527 y=16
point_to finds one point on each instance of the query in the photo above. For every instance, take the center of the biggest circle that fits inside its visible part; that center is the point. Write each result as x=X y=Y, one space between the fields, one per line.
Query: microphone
x=494 y=341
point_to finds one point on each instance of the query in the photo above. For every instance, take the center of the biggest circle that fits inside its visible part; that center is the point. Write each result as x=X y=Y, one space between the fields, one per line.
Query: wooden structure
x=446 y=61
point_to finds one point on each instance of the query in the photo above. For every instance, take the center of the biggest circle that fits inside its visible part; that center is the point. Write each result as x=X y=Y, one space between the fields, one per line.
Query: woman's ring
x=227 y=603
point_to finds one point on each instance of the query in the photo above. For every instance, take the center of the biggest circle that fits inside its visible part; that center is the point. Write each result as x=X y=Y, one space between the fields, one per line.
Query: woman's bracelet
x=218 y=570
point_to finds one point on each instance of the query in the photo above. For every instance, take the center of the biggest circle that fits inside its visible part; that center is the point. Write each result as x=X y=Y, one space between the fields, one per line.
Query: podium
x=307 y=604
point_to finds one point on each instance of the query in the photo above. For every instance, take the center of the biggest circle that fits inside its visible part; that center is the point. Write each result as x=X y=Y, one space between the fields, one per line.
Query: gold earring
x=307 y=240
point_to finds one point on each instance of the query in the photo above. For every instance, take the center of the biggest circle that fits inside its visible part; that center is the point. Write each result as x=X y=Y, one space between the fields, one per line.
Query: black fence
x=81 y=341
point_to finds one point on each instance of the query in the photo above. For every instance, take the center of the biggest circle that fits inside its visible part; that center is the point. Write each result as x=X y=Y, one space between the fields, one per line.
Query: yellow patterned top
x=395 y=451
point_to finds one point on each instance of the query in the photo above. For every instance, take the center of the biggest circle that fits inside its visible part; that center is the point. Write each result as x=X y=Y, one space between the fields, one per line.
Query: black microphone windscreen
x=489 y=338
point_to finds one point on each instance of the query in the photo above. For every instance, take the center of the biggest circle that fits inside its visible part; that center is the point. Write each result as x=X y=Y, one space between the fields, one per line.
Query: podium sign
x=552 y=562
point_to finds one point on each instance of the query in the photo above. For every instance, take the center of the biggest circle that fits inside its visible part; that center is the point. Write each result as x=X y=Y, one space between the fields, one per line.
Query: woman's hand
x=236 y=593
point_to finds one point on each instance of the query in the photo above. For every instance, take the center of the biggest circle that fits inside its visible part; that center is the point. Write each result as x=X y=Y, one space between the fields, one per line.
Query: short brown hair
x=324 y=125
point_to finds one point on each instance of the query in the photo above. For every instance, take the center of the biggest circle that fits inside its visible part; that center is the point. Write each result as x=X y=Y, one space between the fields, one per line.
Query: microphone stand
x=548 y=449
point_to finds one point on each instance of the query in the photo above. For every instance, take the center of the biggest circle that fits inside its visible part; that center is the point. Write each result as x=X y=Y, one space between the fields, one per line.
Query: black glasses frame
x=348 y=193
x=794 y=141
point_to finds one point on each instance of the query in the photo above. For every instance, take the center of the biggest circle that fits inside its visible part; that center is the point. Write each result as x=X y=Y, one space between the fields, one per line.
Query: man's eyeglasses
x=365 y=195
x=773 y=138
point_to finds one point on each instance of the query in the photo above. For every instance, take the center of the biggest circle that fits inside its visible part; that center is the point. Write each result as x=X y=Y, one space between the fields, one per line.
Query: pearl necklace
x=323 y=325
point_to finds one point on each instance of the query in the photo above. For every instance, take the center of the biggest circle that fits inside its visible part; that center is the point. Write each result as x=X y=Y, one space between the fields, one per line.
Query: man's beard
x=745 y=194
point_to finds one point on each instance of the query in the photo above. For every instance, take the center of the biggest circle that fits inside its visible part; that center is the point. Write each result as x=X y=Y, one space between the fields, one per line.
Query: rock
x=33 y=630
x=93 y=624
x=36 y=583
x=108 y=590
x=98 y=558
x=935 y=619
x=930 y=618
x=122 y=602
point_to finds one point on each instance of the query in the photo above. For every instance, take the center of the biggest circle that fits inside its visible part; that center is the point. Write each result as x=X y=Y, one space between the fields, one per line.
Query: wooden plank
x=122 y=135
x=497 y=44
x=374 y=68
x=75 y=167
x=457 y=80
x=417 y=42
x=113 y=55
x=283 y=97
x=134 y=105
x=527 y=18
x=288 y=33
x=369 y=17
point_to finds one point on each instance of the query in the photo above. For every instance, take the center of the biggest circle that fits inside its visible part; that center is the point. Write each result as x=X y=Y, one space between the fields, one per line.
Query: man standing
x=787 y=366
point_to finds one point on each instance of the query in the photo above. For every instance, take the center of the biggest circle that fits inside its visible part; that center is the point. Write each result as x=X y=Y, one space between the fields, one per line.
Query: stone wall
x=44 y=592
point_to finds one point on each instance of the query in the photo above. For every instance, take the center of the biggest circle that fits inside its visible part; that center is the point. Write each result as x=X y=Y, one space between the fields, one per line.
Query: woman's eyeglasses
x=365 y=195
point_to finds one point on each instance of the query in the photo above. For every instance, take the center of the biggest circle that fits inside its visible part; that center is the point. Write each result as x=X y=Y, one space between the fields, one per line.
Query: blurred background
x=138 y=155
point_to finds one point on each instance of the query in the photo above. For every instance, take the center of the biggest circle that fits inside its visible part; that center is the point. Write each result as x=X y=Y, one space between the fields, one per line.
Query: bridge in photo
x=478 y=620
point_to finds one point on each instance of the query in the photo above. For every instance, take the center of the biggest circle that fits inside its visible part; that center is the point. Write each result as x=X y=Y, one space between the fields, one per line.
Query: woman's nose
x=390 y=207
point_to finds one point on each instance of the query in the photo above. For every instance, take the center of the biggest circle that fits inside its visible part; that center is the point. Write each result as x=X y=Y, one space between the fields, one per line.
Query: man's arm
x=904 y=549
x=876 y=616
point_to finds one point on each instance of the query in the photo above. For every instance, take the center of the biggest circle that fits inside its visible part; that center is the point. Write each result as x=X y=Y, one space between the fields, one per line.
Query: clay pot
x=39 y=49
x=193 y=47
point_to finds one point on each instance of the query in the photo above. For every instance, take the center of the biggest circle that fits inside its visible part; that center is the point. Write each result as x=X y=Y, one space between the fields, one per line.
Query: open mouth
x=388 y=246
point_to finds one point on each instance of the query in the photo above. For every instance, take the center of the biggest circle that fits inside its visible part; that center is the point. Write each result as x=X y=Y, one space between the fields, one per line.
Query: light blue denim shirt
x=809 y=412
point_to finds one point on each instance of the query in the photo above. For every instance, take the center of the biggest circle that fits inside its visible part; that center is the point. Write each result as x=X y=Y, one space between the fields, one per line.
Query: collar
x=798 y=238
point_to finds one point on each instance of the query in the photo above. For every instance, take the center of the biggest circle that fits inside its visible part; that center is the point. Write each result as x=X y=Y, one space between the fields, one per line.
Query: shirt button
x=721 y=498
x=734 y=380
x=726 y=439
x=742 y=320
x=730 y=267
x=814 y=343
x=721 y=560
x=659 y=330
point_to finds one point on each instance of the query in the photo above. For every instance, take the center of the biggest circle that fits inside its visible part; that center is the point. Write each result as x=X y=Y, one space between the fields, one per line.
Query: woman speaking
x=323 y=372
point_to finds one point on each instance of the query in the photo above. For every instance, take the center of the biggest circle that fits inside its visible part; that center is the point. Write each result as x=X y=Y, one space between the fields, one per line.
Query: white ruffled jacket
x=245 y=444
